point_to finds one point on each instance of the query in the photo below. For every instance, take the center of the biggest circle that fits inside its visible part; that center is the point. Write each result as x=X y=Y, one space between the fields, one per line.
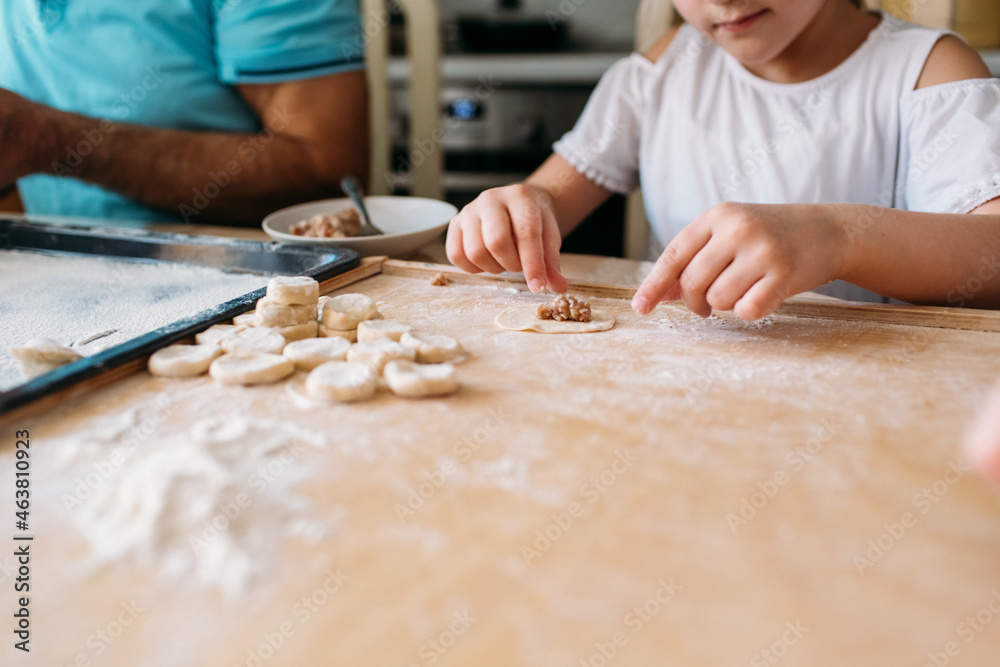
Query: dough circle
x=431 y=349
x=183 y=361
x=298 y=331
x=246 y=320
x=525 y=318
x=346 y=311
x=41 y=355
x=350 y=335
x=250 y=368
x=293 y=290
x=372 y=330
x=254 y=339
x=215 y=333
x=341 y=381
x=309 y=353
x=378 y=353
x=411 y=380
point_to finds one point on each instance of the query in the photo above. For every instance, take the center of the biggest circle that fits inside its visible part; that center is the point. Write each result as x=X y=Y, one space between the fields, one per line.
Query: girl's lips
x=741 y=24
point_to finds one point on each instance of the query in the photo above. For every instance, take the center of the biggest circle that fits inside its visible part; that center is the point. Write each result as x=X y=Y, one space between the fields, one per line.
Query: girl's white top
x=696 y=128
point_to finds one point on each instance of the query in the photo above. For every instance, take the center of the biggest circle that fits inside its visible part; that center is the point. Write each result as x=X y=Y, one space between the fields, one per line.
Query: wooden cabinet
x=978 y=21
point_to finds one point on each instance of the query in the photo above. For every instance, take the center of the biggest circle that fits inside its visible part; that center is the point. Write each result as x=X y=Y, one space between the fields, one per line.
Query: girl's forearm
x=927 y=258
x=572 y=195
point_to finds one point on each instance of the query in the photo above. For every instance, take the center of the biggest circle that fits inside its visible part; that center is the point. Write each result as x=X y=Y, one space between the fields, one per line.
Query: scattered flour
x=71 y=299
x=208 y=504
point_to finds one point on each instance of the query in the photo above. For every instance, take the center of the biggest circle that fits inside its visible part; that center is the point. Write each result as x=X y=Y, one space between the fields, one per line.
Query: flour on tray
x=71 y=299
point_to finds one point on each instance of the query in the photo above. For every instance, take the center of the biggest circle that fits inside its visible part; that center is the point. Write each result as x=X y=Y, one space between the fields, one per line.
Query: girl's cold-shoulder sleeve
x=950 y=146
x=604 y=144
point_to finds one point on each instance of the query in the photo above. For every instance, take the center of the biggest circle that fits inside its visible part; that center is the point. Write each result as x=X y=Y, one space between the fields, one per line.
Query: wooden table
x=674 y=491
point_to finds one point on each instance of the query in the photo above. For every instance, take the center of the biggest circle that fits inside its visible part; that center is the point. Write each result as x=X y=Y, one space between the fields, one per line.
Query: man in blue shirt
x=196 y=110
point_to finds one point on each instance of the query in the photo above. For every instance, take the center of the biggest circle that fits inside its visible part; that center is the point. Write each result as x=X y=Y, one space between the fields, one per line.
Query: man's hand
x=747 y=258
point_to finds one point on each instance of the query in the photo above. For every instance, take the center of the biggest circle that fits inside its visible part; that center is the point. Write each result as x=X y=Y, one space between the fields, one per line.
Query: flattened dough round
x=411 y=380
x=309 y=353
x=250 y=368
x=342 y=381
x=350 y=335
x=254 y=339
x=378 y=353
x=525 y=318
x=346 y=311
x=293 y=290
x=215 y=333
x=183 y=361
x=298 y=331
x=431 y=349
x=372 y=330
x=41 y=355
x=246 y=319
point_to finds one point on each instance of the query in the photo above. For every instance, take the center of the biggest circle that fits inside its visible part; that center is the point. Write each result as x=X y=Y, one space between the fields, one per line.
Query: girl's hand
x=748 y=258
x=512 y=228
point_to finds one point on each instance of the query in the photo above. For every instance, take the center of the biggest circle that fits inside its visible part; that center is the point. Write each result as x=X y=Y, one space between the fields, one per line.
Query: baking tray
x=235 y=255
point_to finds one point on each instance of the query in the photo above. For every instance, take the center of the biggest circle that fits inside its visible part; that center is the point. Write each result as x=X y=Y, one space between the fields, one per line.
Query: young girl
x=855 y=144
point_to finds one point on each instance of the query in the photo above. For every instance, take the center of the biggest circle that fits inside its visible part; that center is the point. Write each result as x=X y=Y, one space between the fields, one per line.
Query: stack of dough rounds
x=342 y=314
x=41 y=355
x=182 y=361
x=378 y=353
x=310 y=353
x=411 y=380
x=254 y=339
x=290 y=307
x=250 y=368
x=431 y=349
x=342 y=381
x=372 y=330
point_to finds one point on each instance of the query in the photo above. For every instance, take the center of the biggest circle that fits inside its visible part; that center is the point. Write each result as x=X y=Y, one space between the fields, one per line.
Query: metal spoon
x=352 y=189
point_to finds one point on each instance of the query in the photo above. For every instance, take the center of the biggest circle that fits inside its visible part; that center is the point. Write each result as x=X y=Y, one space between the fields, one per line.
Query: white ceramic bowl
x=409 y=224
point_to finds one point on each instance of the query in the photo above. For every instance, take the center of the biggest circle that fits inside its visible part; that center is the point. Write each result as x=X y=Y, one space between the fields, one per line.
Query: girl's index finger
x=669 y=267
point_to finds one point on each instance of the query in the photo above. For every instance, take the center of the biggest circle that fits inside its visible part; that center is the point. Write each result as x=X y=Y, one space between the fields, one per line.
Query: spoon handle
x=352 y=189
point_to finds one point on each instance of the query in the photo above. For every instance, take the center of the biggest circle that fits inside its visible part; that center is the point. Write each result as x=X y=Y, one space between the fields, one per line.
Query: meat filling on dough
x=565 y=308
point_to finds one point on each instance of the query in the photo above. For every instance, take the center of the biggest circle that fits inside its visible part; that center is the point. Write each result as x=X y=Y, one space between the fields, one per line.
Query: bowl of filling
x=408 y=223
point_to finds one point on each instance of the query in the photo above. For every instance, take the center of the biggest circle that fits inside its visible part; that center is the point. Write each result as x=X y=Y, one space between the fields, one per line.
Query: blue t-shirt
x=161 y=63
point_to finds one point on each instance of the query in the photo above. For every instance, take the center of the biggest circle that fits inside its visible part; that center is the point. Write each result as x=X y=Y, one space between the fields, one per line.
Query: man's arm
x=314 y=132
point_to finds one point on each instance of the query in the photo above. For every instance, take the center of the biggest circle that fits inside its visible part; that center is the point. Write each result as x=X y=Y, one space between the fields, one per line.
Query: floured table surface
x=673 y=491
